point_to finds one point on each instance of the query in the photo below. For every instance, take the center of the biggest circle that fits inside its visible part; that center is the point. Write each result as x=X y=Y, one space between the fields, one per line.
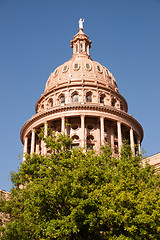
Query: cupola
x=81 y=43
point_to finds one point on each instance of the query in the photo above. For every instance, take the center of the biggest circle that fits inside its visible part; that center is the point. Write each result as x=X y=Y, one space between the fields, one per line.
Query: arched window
x=75 y=97
x=90 y=127
x=75 y=138
x=121 y=105
x=76 y=48
x=50 y=103
x=62 y=99
x=102 y=99
x=75 y=143
x=85 y=47
x=113 y=102
x=90 y=138
x=90 y=142
x=74 y=126
x=42 y=107
x=89 y=97
x=81 y=47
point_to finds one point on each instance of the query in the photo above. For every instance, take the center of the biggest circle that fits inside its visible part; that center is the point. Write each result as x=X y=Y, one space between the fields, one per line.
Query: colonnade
x=35 y=147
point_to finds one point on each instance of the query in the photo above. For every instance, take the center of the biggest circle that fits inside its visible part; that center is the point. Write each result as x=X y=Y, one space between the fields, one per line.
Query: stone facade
x=84 y=94
x=154 y=160
x=3 y=217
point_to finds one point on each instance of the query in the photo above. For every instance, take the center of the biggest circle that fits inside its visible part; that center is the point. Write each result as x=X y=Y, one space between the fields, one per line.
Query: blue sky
x=35 y=38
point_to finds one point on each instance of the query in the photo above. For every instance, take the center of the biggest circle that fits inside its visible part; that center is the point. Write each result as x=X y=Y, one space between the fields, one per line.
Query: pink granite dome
x=81 y=67
x=81 y=99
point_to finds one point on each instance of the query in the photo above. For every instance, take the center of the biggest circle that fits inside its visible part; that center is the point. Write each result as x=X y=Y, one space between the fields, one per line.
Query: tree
x=70 y=194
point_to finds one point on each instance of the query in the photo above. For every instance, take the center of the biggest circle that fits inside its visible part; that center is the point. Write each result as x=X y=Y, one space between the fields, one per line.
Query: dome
x=81 y=99
x=81 y=68
x=81 y=72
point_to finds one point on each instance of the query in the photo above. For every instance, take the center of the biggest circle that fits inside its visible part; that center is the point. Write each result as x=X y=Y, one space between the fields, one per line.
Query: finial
x=81 y=21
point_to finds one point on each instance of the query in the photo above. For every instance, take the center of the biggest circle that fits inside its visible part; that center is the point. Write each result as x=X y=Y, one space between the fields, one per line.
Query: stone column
x=37 y=145
x=102 y=129
x=139 y=145
x=63 y=124
x=82 y=131
x=45 y=135
x=119 y=136
x=132 y=141
x=25 y=148
x=32 y=141
x=112 y=139
x=42 y=147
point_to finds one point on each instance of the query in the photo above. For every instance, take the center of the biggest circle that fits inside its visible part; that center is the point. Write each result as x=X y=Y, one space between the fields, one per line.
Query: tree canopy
x=69 y=194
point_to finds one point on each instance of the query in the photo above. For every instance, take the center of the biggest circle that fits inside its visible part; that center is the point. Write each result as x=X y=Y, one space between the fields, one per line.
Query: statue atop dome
x=81 y=21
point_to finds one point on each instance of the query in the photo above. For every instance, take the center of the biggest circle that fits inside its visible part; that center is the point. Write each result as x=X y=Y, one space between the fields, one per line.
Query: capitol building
x=81 y=99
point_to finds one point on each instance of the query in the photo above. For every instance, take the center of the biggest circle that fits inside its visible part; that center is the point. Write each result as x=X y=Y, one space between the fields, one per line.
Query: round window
x=55 y=72
x=76 y=66
x=98 y=67
x=88 y=66
x=90 y=127
x=65 y=68
x=75 y=126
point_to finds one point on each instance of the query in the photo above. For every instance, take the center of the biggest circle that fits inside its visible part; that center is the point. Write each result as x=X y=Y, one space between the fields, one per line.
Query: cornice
x=73 y=107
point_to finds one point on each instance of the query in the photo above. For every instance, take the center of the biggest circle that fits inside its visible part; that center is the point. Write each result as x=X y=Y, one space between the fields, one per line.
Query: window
x=88 y=66
x=62 y=99
x=42 y=106
x=75 y=98
x=121 y=105
x=75 y=138
x=85 y=47
x=81 y=47
x=90 y=138
x=89 y=98
x=51 y=103
x=90 y=127
x=76 y=66
x=75 y=126
x=98 y=67
x=113 y=102
x=55 y=72
x=65 y=68
x=101 y=99
x=76 y=48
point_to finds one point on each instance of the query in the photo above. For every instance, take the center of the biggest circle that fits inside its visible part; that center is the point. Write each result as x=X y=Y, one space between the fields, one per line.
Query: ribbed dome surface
x=81 y=67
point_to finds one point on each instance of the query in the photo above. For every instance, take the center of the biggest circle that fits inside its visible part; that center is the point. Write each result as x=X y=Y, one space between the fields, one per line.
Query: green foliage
x=70 y=194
